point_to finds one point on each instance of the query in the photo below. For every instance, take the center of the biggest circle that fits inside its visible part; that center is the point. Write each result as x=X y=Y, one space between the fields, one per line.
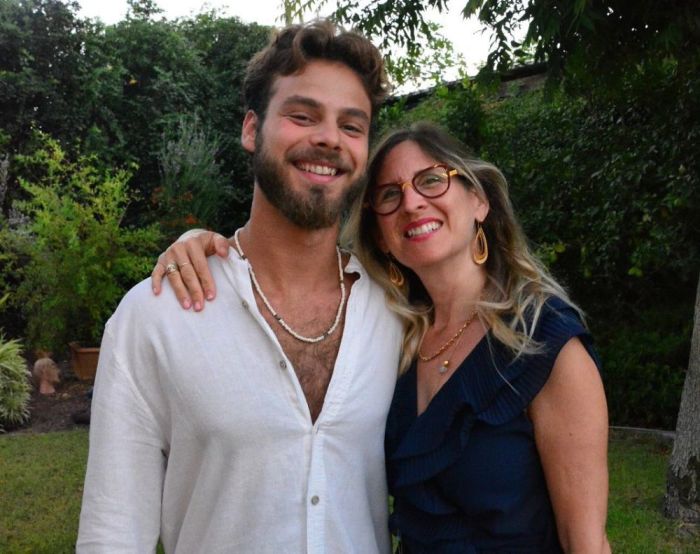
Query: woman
x=497 y=434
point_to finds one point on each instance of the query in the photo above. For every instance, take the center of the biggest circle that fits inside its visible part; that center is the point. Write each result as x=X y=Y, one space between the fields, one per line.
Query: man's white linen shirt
x=201 y=434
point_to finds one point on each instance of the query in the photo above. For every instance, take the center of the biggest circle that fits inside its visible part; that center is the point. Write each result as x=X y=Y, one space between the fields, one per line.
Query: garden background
x=116 y=138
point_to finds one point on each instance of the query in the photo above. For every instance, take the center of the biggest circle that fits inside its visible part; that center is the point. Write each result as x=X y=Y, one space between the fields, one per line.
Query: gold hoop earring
x=481 y=247
x=395 y=275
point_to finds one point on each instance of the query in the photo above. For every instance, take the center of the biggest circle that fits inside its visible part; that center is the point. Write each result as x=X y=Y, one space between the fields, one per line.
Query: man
x=235 y=429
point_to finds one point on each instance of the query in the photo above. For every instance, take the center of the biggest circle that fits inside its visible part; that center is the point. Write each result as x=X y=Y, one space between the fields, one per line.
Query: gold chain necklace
x=445 y=346
x=445 y=364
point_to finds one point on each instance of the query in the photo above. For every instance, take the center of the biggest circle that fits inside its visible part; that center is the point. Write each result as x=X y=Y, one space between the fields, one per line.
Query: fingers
x=221 y=245
x=196 y=274
x=157 y=275
x=184 y=282
x=192 y=281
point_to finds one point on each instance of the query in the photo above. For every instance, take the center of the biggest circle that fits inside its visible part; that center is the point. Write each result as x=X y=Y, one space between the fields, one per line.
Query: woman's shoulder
x=516 y=380
x=555 y=323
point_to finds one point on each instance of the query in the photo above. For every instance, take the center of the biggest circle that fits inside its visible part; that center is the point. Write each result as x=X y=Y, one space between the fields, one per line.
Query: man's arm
x=121 y=507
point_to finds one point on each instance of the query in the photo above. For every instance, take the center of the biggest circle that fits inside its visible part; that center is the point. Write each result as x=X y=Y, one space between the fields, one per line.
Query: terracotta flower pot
x=84 y=360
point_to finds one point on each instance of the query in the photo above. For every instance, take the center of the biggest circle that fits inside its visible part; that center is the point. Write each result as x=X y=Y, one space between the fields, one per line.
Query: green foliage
x=463 y=113
x=14 y=385
x=590 y=41
x=142 y=9
x=79 y=258
x=458 y=108
x=5 y=256
x=159 y=74
x=225 y=46
x=112 y=91
x=644 y=365
x=43 y=71
x=583 y=40
x=192 y=187
x=414 y=48
x=615 y=181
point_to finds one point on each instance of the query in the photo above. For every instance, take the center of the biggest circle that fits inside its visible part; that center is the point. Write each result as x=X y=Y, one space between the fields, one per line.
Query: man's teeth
x=318 y=169
x=423 y=229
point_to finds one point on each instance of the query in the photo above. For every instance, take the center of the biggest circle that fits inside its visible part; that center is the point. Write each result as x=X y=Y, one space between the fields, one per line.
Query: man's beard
x=311 y=211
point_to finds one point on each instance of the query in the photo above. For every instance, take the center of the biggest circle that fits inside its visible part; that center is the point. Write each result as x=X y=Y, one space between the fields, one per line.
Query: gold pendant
x=443 y=368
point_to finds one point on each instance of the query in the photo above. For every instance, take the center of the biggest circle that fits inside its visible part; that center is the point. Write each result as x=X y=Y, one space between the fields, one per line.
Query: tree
x=585 y=37
x=225 y=46
x=683 y=483
x=44 y=75
x=576 y=38
x=413 y=47
x=192 y=187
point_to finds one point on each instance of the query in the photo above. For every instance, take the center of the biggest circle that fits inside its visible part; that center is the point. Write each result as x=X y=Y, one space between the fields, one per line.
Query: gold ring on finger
x=183 y=264
x=171 y=268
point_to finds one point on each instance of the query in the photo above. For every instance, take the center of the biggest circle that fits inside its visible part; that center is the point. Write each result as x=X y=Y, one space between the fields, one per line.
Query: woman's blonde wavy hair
x=517 y=283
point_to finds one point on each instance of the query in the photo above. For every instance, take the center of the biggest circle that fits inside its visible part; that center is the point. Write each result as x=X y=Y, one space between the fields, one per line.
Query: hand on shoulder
x=185 y=264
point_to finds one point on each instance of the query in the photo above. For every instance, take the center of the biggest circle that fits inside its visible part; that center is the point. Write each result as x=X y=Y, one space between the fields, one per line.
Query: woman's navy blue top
x=465 y=474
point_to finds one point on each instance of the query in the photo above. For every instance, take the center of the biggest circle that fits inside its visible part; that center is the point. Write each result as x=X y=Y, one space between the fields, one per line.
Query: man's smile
x=318 y=169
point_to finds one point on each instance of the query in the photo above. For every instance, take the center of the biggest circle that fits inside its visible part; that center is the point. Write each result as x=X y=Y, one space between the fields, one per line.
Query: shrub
x=644 y=366
x=14 y=384
x=76 y=258
x=458 y=108
x=192 y=187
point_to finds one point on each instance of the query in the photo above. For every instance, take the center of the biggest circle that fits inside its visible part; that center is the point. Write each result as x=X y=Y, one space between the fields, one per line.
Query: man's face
x=310 y=153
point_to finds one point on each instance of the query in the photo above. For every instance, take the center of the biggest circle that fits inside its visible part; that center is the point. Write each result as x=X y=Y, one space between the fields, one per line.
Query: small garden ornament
x=46 y=373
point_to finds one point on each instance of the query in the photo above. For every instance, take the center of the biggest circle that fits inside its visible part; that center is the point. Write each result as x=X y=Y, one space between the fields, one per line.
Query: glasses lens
x=386 y=198
x=432 y=182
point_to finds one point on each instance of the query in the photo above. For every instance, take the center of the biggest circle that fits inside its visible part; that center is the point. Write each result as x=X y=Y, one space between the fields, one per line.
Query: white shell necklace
x=278 y=317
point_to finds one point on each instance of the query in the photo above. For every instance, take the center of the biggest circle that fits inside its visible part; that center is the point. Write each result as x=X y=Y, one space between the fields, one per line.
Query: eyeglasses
x=430 y=182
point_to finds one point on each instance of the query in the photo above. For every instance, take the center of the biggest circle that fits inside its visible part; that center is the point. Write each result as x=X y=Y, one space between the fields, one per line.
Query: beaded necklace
x=278 y=317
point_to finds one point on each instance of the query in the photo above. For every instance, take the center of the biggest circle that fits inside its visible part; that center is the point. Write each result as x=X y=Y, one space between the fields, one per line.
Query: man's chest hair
x=313 y=365
x=313 y=362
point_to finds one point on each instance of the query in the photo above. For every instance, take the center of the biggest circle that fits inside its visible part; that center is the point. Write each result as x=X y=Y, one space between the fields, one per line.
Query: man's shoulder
x=142 y=298
x=140 y=304
x=142 y=292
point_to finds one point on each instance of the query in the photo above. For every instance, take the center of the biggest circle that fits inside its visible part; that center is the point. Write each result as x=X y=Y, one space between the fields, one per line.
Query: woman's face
x=425 y=232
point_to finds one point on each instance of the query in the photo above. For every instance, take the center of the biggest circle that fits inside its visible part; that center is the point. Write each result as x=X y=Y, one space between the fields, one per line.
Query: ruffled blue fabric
x=490 y=387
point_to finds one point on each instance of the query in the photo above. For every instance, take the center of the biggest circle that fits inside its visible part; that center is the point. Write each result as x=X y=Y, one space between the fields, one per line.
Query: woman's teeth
x=423 y=229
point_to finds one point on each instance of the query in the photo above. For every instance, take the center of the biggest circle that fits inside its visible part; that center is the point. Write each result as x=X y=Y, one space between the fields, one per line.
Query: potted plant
x=77 y=258
x=83 y=360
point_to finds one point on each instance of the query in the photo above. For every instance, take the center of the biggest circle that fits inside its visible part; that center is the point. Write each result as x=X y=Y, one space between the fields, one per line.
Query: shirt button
x=245 y=305
x=283 y=364
x=315 y=499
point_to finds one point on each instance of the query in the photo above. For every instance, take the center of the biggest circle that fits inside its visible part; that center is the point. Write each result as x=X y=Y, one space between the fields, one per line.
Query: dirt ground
x=58 y=412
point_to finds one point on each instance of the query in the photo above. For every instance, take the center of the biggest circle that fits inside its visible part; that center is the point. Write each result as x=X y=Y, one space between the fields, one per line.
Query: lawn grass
x=637 y=486
x=41 y=484
x=41 y=479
